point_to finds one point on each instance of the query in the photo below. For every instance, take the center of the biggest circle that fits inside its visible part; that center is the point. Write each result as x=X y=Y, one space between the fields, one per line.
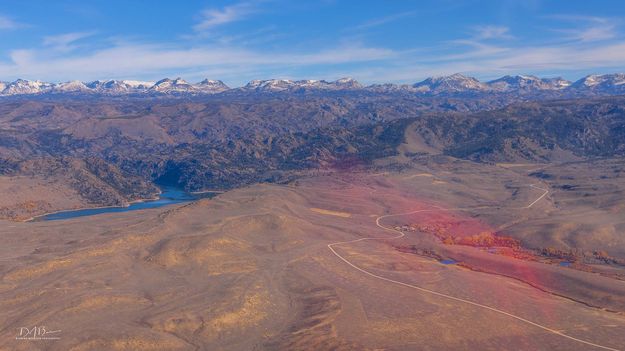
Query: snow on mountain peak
x=347 y=83
x=526 y=83
x=269 y=85
x=454 y=83
x=451 y=84
x=208 y=85
x=22 y=86
x=137 y=84
x=71 y=86
x=591 y=80
x=278 y=85
x=177 y=85
x=605 y=82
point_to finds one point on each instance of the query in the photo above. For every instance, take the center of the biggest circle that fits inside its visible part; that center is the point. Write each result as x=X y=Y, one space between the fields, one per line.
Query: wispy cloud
x=519 y=60
x=8 y=23
x=65 y=42
x=262 y=35
x=491 y=32
x=211 y=18
x=588 y=28
x=148 y=61
x=384 y=20
x=597 y=33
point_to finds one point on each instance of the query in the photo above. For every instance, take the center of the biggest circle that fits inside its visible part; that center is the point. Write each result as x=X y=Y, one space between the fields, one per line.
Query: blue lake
x=169 y=196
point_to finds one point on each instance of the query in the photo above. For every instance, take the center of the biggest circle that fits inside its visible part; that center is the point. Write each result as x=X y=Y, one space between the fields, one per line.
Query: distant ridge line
x=444 y=85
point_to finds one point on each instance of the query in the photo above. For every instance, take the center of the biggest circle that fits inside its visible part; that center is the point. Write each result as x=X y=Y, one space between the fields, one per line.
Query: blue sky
x=372 y=41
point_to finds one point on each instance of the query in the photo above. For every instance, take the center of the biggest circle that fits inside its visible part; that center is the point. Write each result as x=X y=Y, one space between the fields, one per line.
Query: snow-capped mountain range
x=446 y=85
x=276 y=85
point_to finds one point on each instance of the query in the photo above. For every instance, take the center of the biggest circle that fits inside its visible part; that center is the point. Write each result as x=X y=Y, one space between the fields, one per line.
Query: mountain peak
x=347 y=82
x=209 y=85
x=527 y=83
x=71 y=86
x=269 y=85
x=455 y=83
x=23 y=86
x=603 y=81
x=279 y=85
x=177 y=85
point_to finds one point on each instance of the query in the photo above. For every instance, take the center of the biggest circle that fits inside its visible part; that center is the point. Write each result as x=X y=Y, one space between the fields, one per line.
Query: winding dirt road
x=446 y=296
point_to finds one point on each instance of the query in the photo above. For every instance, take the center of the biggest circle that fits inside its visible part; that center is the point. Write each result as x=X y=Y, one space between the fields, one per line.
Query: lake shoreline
x=167 y=195
x=130 y=203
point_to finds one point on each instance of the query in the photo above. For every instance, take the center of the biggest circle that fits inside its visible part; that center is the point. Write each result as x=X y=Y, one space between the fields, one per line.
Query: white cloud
x=63 y=42
x=491 y=32
x=384 y=20
x=8 y=23
x=588 y=28
x=483 y=60
x=211 y=18
x=597 y=33
x=152 y=61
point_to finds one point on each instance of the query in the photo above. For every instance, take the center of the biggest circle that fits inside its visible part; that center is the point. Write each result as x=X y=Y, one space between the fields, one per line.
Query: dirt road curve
x=446 y=296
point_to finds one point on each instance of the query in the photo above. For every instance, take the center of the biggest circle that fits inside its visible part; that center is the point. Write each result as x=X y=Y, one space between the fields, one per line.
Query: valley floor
x=256 y=267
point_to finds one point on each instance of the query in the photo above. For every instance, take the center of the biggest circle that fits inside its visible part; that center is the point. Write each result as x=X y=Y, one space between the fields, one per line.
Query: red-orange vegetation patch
x=454 y=226
x=460 y=229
